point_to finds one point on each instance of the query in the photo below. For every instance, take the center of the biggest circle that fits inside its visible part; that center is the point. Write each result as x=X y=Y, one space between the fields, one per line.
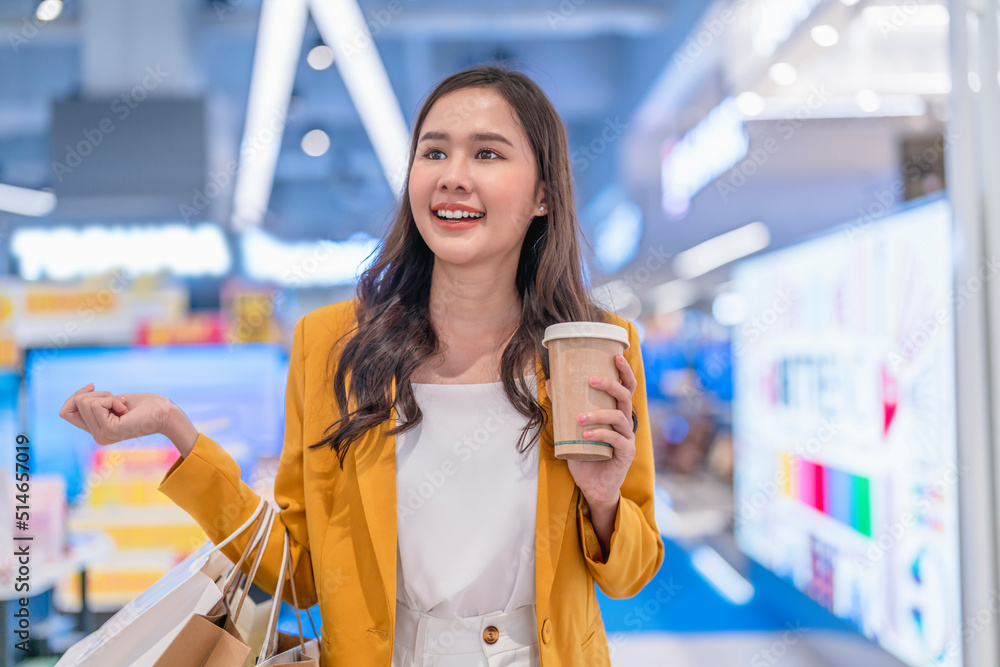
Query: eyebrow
x=482 y=136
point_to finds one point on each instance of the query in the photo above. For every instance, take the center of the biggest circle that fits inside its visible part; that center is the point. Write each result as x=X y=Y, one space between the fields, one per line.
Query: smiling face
x=473 y=155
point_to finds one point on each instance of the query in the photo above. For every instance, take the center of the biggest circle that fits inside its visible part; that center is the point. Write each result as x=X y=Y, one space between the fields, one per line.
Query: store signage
x=63 y=253
x=707 y=151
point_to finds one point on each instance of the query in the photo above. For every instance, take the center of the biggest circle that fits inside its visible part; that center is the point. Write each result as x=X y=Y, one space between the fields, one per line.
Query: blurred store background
x=789 y=197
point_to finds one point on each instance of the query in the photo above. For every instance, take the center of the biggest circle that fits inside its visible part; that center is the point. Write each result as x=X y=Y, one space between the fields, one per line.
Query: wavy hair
x=393 y=334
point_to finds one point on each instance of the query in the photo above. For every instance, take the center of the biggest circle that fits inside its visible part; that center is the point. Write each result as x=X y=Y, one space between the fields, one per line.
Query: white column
x=971 y=153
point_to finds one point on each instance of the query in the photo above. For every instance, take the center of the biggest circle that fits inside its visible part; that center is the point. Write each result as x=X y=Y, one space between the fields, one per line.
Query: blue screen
x=10 y=418
x=233 y=394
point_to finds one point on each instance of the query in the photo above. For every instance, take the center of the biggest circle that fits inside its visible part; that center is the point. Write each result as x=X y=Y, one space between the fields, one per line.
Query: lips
x=456 y=223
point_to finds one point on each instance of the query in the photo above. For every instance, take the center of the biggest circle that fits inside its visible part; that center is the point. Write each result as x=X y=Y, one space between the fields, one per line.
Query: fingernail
x=581 y=418
x=593 y=380
x=587 y=434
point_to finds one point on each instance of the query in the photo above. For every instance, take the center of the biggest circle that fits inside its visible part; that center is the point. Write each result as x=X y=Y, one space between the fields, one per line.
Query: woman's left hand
x=601 y=481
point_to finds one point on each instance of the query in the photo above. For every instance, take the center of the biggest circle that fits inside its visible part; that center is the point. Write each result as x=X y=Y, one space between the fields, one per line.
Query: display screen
x=846 y=476
x=10 y=419
x=232 y=393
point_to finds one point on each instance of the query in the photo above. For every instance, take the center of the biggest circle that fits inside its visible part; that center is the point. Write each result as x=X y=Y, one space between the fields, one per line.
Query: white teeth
x=458 y=214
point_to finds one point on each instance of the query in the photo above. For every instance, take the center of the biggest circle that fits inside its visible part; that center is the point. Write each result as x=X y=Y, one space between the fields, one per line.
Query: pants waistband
x=422 y=632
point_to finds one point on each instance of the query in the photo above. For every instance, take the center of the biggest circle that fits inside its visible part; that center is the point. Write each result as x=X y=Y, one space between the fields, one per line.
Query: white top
x=465 y=504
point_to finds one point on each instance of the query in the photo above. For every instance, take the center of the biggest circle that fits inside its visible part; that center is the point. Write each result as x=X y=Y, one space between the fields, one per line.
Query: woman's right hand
x=111 y=418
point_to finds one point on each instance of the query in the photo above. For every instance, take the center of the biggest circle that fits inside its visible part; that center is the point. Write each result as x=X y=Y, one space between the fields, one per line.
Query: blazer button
x=546 y=631
x=491 y=635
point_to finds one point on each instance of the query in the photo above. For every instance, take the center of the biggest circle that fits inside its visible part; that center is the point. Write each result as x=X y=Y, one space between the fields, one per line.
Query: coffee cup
x=577 y=351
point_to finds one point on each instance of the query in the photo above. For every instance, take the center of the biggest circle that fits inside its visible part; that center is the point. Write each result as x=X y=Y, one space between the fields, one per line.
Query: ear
x=540 y=199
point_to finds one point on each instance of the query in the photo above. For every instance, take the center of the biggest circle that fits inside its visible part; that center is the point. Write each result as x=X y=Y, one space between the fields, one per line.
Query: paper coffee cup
x=578 y=350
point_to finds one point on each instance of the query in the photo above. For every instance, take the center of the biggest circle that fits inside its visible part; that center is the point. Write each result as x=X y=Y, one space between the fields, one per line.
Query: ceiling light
x=750 y=103
x=782 y=74
x=341 y=24
x=909 y=16
x=824 y=35
x=974 y=83
x=868 y=100
x=849 y=3
x=721 y=250
x=849 y=106
x=673 y=296
x=306 y=263
x=708 y=150
x=315 y=143
x=49 y=10
x=320 y=57
x=25 y=201
x=279 y=44
x=729 y=308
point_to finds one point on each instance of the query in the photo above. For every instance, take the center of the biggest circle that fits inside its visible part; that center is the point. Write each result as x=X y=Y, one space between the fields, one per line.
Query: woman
x=430 y=384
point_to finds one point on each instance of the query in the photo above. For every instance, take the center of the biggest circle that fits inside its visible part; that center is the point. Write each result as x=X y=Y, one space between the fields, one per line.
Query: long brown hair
x=394 y=331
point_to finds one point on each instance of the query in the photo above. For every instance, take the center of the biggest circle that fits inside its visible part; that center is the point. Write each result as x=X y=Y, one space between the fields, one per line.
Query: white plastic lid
x=585 y=330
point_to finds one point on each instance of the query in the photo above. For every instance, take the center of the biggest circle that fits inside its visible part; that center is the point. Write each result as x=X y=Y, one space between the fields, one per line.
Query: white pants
x=423 y=640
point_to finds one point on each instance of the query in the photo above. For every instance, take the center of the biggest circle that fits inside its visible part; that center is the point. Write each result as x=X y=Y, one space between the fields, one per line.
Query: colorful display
x=844 y=427
x=234 y=393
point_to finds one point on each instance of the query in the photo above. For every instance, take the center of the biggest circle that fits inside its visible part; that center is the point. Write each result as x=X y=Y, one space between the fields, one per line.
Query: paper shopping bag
x=139 y=631
x=252 y=622
x=212 y=639
x=157 y=613
x=207 y=640
x=290 y=651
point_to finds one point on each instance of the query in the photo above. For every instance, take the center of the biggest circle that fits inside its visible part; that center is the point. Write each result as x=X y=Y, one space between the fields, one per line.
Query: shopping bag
x=282 y=649
x=211 y=639
x=207 y=640
x=148 y=623
x=252 y=622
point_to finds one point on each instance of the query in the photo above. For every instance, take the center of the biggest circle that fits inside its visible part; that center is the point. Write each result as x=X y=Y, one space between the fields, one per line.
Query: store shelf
x=85 y=548
x=154 y=515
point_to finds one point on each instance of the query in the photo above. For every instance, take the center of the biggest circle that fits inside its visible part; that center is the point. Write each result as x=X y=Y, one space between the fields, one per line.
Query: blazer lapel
x=375 y=468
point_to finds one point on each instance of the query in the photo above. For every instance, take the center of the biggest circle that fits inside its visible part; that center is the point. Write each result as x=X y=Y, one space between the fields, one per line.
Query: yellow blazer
x=342 y=523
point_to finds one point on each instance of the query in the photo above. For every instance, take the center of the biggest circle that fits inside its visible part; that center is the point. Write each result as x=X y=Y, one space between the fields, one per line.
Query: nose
x=454 y=176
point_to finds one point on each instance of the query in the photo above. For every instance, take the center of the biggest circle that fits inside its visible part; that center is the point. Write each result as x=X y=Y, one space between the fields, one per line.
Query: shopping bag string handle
x=199 y=562
x=265 y=532
x=262 y=530
x=295 y=599
x=271 y=638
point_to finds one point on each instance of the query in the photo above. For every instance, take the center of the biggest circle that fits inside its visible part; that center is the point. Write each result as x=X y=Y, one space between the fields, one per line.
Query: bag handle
x=271 y=641
x=265 y=533
x=295 y=602
x=271 y=637
x=198 y=563
x=261 y=532
x=295 y=598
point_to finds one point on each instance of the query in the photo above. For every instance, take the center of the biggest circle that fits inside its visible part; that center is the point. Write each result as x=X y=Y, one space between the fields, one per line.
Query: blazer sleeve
x=636 y=548
x=207 y=485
